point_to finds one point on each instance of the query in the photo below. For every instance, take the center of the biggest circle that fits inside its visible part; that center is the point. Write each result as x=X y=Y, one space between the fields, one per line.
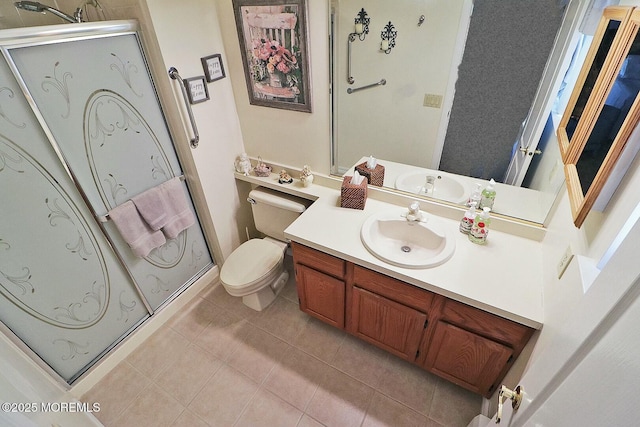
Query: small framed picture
x=196 y=89
x=213 y=68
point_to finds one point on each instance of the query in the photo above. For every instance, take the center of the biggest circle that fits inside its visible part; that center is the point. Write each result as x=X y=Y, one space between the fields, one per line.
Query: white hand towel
x=134 y=230
x=179 y=215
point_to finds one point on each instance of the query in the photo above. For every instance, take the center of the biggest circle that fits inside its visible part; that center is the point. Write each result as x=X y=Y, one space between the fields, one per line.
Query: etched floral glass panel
x=62 y=290
x=98 y=101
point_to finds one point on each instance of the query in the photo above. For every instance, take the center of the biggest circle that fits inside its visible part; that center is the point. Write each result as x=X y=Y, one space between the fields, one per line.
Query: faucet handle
x=414 y=208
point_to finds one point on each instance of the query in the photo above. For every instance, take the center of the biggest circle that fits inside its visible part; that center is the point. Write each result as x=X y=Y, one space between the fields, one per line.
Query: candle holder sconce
x=361 y=25
x=361 y=31
x=388 y=36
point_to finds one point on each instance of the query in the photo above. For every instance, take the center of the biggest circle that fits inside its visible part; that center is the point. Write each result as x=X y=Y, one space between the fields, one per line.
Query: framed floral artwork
x=275 y=55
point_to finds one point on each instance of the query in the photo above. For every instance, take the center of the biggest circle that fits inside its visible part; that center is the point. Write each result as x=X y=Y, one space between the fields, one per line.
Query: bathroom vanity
x=466 y=320
x=463 y=344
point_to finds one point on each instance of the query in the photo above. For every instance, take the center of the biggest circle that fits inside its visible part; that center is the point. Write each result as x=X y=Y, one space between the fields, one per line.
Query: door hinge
x=426 y=322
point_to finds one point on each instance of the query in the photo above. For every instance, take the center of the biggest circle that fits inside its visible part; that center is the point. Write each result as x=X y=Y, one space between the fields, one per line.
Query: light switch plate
x=432 y=100
x=567 y=256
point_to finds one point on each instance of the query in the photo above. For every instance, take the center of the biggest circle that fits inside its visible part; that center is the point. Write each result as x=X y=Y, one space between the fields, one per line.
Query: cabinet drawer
x=318 y=260
x=393 y=289
x=486 y=324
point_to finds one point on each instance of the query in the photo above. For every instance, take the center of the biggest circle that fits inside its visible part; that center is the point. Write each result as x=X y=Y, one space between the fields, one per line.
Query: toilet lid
x=249 y=263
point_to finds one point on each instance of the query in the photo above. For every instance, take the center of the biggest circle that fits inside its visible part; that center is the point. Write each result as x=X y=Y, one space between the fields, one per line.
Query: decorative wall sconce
x=361 y=31
x=362 y=24
x=388 y=36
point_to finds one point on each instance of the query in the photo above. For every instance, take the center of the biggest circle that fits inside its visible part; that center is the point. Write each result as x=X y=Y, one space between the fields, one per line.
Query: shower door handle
x=173 y=73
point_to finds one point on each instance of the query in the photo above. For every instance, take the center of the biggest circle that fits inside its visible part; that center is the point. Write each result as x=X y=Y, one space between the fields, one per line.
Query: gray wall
x=505 y=54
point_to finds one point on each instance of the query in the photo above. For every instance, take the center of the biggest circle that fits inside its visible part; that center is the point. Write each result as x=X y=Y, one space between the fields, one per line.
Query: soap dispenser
x=488 y=195
x=480 y=227
x=467 y=220
x=476 y=195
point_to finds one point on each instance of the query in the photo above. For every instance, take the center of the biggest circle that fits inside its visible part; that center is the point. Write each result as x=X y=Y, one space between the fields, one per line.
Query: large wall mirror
x=458 y=102
x=608 y=116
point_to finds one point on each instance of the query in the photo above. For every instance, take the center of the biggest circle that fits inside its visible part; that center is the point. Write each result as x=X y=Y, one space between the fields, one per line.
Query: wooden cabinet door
x=465 y=358
x=321 y=295
x=385 y=323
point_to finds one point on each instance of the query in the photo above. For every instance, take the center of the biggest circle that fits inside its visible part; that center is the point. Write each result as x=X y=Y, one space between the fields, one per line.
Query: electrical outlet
x=567 y=256
x=432 y=100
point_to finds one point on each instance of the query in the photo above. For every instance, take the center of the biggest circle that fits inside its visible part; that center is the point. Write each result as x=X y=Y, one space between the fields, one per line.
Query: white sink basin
x=411 y=244
x=444 y=186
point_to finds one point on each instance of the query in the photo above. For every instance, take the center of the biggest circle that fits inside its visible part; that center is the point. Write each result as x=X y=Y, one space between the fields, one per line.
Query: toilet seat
x=251 y=266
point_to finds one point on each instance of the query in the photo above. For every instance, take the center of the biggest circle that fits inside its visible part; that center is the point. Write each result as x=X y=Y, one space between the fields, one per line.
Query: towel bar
x=105 y=218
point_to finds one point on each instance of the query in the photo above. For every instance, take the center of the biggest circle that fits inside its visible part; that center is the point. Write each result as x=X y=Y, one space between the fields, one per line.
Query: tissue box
x=353 y=196
x=375 y=176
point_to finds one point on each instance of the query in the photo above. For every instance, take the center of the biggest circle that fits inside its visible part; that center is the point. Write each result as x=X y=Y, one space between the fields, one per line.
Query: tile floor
x=219 y=363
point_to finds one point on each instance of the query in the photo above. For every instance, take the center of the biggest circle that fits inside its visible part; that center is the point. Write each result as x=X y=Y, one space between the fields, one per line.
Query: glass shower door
x=95 y=97
x=62 y=290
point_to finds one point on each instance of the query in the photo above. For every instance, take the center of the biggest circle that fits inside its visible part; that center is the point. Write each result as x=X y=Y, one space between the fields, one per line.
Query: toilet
x=255 y=270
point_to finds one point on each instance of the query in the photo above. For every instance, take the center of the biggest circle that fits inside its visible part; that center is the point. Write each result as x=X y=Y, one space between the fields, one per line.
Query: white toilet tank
x=274 y=211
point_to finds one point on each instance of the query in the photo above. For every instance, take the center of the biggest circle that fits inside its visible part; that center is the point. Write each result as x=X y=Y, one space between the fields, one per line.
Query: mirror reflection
x=455 y=98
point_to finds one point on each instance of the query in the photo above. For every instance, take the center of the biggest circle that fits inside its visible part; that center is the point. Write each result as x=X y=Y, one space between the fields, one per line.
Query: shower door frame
x=52 y=34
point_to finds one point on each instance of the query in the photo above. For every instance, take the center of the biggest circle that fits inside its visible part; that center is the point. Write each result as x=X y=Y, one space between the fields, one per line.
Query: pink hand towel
x=134 y=230
x=152 y=208
x=179 y=215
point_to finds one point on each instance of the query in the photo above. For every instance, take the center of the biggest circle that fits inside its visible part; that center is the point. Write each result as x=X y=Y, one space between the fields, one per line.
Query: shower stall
x=82 y=131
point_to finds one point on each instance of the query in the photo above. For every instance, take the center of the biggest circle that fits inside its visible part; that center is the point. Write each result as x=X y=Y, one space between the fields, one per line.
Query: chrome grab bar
x=352 y=38
x=382 y=82
x=105 y=218
x=173 y=73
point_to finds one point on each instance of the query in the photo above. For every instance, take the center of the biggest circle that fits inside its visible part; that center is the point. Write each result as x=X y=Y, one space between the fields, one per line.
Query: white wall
x=288 y=137
x=186 y=31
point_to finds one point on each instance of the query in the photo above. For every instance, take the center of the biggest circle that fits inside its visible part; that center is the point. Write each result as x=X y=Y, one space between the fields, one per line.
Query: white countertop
x=502 y=277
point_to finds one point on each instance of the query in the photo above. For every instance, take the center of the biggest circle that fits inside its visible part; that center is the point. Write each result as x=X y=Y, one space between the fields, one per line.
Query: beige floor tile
x=189 y=419
x=152 y=408
x=453 y=406
x=116 y=391
x=283 y=319
x=184 y=378
x=194 y=318
x=307 y=421
x=222 y=335
x=361 y=360
x=386 y=412
x=223 y=397
x=319 y=339
x=266 y=409
x=408 y=384
x=257 y=353
x=296 y=378
x=219 y=296
x=340 y=400
x=158 y=351
x=432 y=423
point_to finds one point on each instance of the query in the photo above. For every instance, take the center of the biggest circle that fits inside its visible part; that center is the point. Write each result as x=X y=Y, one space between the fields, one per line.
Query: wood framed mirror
x=607 y=36
x=607 y=117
